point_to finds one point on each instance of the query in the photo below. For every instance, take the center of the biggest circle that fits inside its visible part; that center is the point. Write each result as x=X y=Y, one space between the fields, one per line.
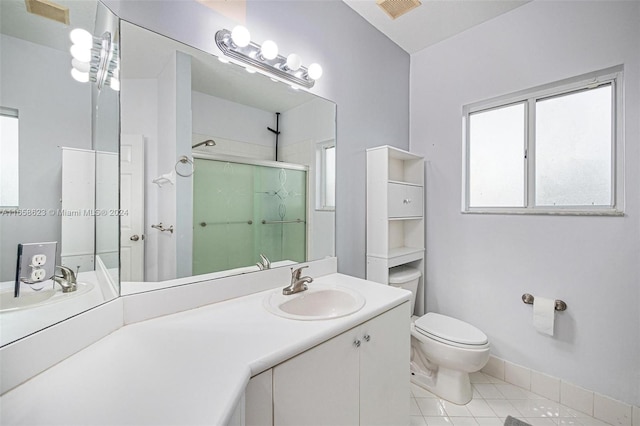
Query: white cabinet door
x=384 y=368
x=319 y=386
x=405 y=200
x=341 y=383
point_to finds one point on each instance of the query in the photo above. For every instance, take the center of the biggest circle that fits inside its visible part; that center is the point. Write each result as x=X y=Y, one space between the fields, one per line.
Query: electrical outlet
x=38 y=274
x=38 y=260
x=36 y=264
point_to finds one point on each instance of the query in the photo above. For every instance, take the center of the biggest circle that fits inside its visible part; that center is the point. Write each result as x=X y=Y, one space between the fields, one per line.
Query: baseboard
x=592 y=403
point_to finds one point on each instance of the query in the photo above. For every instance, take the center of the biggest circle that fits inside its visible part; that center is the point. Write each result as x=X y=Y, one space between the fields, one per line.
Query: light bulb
x=82 y=38
x=314 y=71
x=80 y=53
x=293 y=62
x=115 y=84
x=82 y=77
x=269 y=50
x=80 y=66
x=240 y=36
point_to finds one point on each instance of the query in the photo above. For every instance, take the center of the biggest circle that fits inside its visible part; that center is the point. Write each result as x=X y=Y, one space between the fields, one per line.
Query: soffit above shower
x=432 y=21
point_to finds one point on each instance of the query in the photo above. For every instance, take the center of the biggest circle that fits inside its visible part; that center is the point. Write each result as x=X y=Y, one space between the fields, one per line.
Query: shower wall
x=242 y=210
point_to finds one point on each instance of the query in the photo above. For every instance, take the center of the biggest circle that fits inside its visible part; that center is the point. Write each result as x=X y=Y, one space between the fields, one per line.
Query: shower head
x=208 y=142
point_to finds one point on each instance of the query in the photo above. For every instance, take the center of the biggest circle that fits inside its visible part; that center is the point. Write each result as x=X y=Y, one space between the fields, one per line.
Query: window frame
x=321 y=183
x=613 y=76
x=13 y=113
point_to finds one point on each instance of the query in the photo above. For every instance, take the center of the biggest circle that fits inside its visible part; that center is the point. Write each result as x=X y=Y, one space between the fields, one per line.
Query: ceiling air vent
x=48 y=9
x=395 y=8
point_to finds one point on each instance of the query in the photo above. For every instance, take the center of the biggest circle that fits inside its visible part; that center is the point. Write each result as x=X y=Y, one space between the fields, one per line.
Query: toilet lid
x=450 y=329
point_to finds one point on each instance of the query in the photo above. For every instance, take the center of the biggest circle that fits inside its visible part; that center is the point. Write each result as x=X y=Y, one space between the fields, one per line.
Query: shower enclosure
x=242 y=210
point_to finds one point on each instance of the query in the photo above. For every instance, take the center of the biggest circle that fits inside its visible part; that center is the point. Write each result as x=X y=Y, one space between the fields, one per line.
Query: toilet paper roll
x=544 y=314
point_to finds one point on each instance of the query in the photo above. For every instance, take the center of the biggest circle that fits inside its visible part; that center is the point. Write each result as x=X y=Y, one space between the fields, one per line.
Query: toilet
x=444 y=350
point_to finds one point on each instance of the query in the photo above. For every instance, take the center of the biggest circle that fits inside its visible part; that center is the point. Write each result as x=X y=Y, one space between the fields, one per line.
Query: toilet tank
x=407 y=278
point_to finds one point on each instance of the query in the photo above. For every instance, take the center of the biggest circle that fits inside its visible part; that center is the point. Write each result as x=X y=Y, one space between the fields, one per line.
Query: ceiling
x=17 y=22
x=433 y=21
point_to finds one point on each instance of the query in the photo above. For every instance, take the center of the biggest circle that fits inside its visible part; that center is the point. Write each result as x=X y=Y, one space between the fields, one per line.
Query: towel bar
x=528 y=299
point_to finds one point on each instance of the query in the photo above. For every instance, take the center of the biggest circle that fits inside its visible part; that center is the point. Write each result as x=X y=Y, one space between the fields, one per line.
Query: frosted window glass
x=573 y=149
x=8 y=161
x=496 y=157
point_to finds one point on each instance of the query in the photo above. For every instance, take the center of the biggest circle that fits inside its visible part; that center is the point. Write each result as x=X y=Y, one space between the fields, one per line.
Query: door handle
x=134 y=238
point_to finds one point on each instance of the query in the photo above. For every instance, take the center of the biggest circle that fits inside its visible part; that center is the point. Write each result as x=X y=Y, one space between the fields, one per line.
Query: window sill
x=543 y=212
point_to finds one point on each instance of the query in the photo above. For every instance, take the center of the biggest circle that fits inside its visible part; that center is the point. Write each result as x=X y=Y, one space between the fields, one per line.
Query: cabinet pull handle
x=356 y=343
x=366 y=337
x=407 y=201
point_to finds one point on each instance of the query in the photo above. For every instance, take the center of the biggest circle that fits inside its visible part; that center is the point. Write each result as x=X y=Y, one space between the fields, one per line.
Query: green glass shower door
x=223 y=235
x=241 y=211
x=280 y=207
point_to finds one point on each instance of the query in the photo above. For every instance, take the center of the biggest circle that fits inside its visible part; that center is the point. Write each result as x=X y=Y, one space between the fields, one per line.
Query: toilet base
x=451 y=385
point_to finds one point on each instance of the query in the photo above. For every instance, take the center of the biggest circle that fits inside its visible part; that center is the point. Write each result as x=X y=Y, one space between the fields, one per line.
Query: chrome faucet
x=67 y=279
x=298 y=283
x=264 y=263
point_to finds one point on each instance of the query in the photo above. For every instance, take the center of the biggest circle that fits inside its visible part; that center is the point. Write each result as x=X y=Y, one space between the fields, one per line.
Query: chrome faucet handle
x=264 y=263
x=67 y=279
x=67 y=274
x=295 y=273
x=298 y=283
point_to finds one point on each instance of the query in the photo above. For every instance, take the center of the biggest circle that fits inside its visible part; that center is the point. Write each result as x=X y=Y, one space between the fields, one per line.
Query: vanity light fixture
x=237 y=45
x=94 y=59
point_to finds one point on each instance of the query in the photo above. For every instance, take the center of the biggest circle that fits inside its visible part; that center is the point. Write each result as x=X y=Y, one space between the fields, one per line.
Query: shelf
x=395 y=211
x=401 y=182
x=397 y=153
x=402 y=253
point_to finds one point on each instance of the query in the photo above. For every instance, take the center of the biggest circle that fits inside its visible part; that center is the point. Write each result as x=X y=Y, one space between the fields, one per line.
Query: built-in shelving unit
x=395 y=214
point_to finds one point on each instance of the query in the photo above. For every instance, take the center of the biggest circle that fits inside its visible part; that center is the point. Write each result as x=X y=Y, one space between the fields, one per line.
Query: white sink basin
x=33 y=299
x=9 y=302
x=320 y=302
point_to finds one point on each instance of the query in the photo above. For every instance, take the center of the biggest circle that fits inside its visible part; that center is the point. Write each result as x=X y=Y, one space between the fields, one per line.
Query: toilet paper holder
x=528 y=299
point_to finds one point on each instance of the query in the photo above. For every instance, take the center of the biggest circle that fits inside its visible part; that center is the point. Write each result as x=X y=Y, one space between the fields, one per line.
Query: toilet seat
x=450 y=331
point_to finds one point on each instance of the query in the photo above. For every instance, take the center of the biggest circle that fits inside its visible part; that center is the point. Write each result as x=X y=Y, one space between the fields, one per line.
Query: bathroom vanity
x=234 y=362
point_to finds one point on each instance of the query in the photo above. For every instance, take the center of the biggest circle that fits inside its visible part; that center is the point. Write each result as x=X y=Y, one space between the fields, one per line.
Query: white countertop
x=187 y=368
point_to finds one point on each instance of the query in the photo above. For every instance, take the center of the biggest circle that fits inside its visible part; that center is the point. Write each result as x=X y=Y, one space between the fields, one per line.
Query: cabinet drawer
x=405 y=200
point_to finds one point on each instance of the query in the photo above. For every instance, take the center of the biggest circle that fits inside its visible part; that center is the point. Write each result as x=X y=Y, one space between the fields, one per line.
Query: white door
x=132 y=204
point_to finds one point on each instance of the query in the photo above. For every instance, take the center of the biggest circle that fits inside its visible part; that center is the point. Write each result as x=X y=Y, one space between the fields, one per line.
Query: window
x=326 y=176
x=549 y=150
x=8 y=158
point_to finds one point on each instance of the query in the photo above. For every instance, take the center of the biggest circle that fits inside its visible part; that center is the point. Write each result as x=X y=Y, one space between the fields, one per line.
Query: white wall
x=303 y=128
x=478 y=266
x=166 y=161
x=62 y=117
x=230 y=120
x=365 y=73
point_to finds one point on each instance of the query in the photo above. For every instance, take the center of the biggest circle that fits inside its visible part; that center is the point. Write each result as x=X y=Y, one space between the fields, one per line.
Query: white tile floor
x=493 y=400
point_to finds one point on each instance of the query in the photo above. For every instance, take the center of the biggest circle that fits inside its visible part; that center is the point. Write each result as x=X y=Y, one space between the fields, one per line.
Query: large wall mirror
x=220 y=168
x=59 y=162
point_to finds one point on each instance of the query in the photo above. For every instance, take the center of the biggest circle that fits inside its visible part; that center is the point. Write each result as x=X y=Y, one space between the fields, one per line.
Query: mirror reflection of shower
x=208 y=142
